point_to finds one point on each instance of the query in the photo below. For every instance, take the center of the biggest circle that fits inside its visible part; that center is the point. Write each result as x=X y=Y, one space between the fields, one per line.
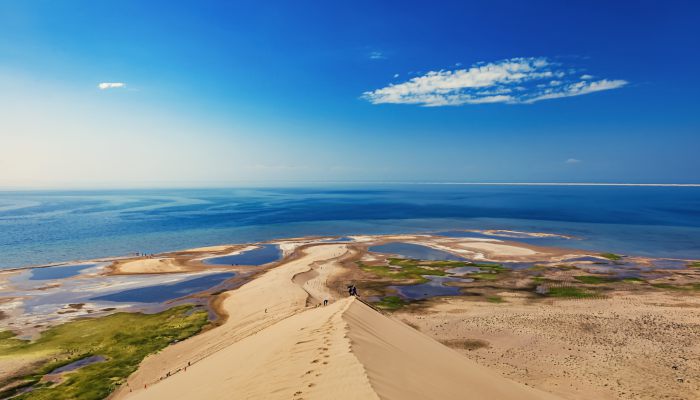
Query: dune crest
x=275 y=346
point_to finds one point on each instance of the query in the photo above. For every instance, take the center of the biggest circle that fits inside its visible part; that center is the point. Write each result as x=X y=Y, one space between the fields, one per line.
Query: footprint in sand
x=315 y=361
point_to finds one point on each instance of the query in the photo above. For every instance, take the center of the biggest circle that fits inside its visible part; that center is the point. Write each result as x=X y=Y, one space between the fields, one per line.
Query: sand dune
x=274 y=346
x=148 y=266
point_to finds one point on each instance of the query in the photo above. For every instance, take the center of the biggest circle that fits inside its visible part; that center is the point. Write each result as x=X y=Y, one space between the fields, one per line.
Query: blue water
x=409 y=250
x=262 y=255
x=434 y=287
x=51 y=226
x=58 y=272
x=165 y=292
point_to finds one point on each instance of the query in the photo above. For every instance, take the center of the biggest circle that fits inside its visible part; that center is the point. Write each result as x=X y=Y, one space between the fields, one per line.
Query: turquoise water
x=40 y=227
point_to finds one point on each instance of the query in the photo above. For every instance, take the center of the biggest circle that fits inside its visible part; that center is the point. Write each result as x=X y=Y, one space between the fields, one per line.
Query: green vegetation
x=542 y=279
x=686 y=287
x=409 y=270
x=570 y=292
x=400 y=269
x=694 y=264
x=391 y=303
x=611 y=256
x=594 y=280
x=495 y=268
x=495 y=299
x=484 y=276
x=123 y=339
x=633 y=279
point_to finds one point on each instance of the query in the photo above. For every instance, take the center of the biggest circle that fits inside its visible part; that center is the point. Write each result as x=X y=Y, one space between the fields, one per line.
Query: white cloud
x=514 y=81
x=111 y=85
x=572 y=161
x=396 y=75
x=586 y=76
x=377 y=55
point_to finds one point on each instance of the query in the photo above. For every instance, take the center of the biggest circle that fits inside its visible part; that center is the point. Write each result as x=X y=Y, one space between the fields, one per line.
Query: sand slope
x=274 y=346
x=402 y=363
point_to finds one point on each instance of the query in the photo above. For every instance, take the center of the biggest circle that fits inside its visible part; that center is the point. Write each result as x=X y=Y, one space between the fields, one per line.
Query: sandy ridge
x=275 y=346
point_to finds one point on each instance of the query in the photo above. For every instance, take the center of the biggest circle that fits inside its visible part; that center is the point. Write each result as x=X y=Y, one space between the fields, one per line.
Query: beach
x=437 y=317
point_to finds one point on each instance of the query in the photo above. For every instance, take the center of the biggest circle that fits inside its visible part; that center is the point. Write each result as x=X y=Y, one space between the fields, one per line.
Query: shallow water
x=462 y=270
x=38 y=227
x=670 y=264
x=165 y=292
x=415 y=251
x=264 y=254
x=434 y=287
x=77 y=364
x=58 y=272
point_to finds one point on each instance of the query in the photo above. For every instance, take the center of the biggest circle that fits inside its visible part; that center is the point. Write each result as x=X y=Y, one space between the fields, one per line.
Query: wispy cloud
x=111 y=85
x=377 y=55
x=572 y=161
x=513 y=81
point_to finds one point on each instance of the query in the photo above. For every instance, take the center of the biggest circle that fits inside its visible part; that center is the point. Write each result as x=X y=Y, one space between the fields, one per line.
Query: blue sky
x=208 y=93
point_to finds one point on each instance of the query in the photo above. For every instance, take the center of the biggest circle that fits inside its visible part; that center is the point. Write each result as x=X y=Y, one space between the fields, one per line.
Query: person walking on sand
x=325 y=302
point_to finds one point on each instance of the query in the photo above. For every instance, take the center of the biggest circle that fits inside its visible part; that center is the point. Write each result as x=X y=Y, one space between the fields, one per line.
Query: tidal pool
x=415 y=251
x=434 y=287
x=77 y=364
x=670 y=264
x=264 y=254
x=165 y=292
x=58 y=272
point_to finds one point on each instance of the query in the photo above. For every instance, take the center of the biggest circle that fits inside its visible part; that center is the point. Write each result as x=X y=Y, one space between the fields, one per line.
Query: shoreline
x=275 y=308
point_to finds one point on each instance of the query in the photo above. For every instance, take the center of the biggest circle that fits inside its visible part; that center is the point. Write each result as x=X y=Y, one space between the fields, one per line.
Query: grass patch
x=408 y=270
x=570 y=292
x=542 y=279
x=687 y=287
x=694 y=264
x=611 y=256
x=484 y=276
x=495 y=299
x=390 y=303
x=123 y=339
x=496 y=268
x=593 y=280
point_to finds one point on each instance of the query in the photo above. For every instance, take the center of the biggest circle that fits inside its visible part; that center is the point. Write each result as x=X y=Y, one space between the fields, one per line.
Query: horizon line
x=271 y=184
